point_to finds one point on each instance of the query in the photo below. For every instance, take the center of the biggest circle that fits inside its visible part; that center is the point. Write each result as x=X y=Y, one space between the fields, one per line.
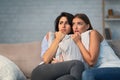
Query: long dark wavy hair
x=69 y=17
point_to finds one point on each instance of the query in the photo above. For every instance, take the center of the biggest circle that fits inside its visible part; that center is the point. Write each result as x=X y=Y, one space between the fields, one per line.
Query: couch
x=27 y=55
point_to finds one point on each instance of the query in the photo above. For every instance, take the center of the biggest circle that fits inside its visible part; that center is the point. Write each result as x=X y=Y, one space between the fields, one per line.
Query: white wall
x=30 y=20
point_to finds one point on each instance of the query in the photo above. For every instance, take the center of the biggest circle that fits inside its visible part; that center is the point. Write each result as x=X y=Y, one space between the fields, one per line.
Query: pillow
x=9 y=70
x=25 y=55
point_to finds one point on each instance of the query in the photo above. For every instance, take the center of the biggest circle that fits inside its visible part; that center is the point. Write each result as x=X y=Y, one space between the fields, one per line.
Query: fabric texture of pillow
x=9 y=70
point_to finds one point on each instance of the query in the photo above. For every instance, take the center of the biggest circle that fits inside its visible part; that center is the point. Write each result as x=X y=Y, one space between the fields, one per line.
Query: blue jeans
x=111 y=73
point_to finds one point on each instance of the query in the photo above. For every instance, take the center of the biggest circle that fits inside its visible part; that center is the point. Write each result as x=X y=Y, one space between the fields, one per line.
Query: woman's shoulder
x=96 y=34
x=49 y=34
x=94 y=31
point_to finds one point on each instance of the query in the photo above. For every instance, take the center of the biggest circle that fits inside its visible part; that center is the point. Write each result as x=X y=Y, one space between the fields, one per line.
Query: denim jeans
x=108 y=73
x=9 y=70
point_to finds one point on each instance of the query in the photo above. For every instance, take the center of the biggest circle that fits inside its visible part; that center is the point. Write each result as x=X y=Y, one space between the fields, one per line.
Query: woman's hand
x=56 y=60
x=76 y=37
x=59 y=35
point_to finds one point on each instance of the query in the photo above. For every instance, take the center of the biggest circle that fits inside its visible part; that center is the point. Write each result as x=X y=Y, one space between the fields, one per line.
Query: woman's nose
x=63 y=25
x=76 y=27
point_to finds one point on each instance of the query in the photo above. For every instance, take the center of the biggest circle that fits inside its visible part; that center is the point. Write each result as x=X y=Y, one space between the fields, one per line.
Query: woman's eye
x=66 y=23
x=79 y=23
x=73 y=23
x=60 y=22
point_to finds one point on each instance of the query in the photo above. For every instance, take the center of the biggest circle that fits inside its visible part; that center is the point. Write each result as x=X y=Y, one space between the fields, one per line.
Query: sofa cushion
x=25 y=55
x=115 y=44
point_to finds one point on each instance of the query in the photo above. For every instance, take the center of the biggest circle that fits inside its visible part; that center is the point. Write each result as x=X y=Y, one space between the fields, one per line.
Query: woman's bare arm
x=91 y=55
x=51 y=51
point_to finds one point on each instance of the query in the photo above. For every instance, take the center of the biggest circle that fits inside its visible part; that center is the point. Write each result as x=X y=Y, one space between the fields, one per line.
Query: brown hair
x=85 y=18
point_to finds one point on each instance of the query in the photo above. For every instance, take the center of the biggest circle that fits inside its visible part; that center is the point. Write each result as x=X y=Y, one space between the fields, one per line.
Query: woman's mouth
x=63 y=30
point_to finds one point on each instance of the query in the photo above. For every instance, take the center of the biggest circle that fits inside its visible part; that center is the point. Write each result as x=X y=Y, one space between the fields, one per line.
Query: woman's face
x=64 y=26
x=79 y=25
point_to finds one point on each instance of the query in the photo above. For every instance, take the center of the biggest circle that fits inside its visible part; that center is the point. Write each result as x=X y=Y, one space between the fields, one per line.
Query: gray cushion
x=115 y=44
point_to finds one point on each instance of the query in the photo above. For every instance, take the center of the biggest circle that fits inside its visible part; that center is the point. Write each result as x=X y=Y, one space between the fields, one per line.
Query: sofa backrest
x=25 y=55
x=115 y=44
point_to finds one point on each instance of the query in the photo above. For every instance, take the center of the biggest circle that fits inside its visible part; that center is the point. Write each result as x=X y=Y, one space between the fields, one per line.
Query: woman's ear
x=87 y=26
